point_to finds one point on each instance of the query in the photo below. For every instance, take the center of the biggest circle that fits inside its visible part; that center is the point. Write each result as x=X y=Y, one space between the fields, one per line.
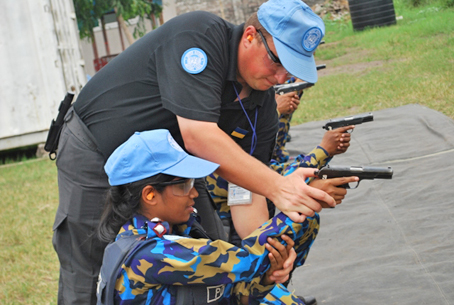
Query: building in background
x=42 y=57
x=113 y=41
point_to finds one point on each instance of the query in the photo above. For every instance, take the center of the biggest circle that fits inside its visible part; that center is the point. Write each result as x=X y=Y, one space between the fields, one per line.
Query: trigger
x=356 y=185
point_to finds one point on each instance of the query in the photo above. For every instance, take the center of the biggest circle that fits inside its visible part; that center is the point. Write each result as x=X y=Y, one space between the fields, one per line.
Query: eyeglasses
x=273 y=57
x=276 y=62
x=180 y=187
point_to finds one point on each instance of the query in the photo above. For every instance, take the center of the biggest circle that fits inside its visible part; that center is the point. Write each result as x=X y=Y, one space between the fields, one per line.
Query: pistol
x=286 y=88
x=56 y=126
x=297 y=86
x=366 y=172
x=353 y=120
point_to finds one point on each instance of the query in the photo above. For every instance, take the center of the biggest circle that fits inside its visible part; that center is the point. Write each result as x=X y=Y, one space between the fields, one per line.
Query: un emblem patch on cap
x=194 y=60
x=312 y=38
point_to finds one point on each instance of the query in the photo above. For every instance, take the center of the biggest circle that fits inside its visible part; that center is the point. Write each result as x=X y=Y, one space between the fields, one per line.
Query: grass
x=411 y=62
x=28 y=263
x=378 y=68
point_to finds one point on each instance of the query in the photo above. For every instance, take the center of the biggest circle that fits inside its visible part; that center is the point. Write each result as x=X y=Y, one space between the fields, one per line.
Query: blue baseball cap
x=153 y=152
x=297 y=32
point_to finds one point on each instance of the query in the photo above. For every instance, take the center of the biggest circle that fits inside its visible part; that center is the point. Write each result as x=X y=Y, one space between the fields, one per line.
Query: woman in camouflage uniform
x=152 y=197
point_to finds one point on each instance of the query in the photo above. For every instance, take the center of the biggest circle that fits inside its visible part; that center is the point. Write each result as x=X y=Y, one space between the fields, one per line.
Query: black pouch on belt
x=56 y=126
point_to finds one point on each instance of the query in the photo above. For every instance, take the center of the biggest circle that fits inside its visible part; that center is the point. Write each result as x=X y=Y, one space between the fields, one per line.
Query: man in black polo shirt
x=197 y=76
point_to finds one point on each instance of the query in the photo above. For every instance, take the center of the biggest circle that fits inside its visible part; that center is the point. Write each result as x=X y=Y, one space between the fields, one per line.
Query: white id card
x=238 y=195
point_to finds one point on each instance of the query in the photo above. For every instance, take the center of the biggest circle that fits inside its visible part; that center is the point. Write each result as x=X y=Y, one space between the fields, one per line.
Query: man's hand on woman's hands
x=332 y=187
x=296 y=199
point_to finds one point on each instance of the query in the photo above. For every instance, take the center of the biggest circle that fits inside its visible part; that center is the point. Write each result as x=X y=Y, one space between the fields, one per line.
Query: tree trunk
x=124 y=26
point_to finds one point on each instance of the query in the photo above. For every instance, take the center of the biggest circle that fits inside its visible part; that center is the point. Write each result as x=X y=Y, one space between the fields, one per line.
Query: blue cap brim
x=191 y=167
x=303 y=67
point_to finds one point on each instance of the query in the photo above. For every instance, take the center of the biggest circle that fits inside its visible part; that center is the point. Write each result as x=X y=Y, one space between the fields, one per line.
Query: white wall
x=34 y=76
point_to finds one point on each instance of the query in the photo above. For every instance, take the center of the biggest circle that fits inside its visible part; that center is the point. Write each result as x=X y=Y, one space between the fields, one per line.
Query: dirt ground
x=347 y=68
x=335 y=9
x=351 y=68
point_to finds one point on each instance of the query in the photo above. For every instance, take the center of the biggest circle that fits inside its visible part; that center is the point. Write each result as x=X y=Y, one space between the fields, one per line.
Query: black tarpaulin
x=390 y=241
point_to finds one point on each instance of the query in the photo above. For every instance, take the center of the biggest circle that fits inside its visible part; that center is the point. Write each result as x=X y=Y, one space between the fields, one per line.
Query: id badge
x=238 y=195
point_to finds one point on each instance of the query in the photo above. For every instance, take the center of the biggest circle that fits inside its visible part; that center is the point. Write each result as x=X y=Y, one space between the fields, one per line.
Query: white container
x=40 y=60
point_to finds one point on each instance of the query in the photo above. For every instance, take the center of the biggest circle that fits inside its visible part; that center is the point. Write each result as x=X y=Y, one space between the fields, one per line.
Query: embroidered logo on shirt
x=194 y=60
x=239 y=133
x=312 y=38
x=214 y=293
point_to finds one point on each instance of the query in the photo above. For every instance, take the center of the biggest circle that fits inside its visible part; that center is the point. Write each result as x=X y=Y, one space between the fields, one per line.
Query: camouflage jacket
x=150 y=275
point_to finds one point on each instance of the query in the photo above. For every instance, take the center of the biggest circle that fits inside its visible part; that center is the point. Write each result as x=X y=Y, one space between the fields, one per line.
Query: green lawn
x=411 y=62
x=28 y=263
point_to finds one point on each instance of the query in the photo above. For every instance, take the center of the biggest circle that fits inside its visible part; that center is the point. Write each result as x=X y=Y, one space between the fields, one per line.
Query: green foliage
x=447 y=3
x=88 y=12
x=141 y=8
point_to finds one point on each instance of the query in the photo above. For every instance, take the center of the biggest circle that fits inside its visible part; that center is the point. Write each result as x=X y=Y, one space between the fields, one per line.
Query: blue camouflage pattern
x=151 y=274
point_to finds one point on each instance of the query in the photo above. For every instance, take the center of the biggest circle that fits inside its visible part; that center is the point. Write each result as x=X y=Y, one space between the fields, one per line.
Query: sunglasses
x=273 y=57
x=180 y=187
x=276 y=62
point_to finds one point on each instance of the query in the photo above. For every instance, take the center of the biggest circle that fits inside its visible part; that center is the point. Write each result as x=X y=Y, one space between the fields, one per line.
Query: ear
x=148 y=195
x=248 y=35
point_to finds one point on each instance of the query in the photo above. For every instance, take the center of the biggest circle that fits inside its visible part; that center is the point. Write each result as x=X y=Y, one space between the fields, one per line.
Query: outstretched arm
x=290 y=194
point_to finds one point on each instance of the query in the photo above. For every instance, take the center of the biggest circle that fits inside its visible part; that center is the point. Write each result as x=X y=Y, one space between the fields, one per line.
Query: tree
x=88 y=12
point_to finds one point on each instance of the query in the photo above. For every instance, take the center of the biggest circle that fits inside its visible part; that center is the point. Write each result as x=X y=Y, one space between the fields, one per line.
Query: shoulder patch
x=194 y=60
x=312 y=38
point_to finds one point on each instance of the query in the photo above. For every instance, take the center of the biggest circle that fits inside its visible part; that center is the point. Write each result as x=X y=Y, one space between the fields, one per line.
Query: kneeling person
x=150 y=207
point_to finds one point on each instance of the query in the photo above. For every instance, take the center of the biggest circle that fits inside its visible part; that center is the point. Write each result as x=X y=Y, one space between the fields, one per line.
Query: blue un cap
x=148 y=153
x=296 y=32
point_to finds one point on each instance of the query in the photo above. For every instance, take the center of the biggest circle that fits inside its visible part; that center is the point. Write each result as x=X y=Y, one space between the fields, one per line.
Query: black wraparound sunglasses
x=273 y=57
